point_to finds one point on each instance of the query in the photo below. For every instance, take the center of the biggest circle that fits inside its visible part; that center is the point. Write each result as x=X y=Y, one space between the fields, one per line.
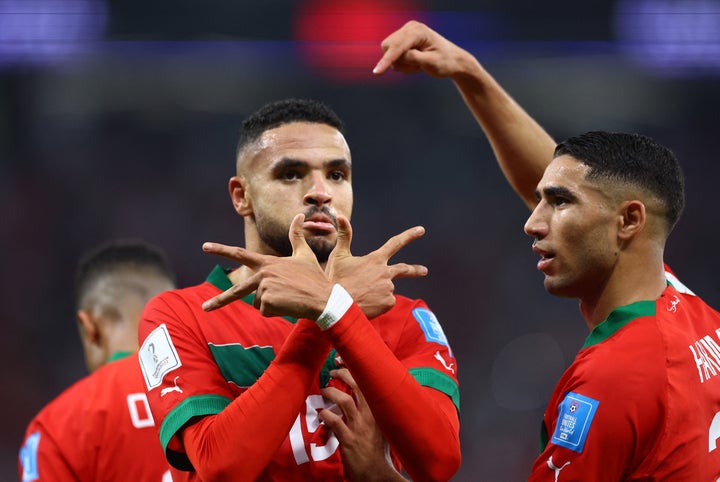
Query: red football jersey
x=197 y=362
x=641 y=401
x=100 y=428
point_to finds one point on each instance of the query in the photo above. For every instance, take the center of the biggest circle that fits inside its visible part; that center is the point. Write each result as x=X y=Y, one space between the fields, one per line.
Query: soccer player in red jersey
x=101 y=427
x=641 y=401
x=253 y=389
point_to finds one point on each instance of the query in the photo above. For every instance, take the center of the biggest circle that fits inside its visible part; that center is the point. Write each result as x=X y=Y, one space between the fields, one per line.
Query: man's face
x=575 y=226
x=299 y=167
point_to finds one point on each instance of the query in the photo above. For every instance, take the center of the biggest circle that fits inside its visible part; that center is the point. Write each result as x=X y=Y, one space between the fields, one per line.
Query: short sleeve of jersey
x=182 y=379
x=40 y=458
x=421 y=345
x=604 y=412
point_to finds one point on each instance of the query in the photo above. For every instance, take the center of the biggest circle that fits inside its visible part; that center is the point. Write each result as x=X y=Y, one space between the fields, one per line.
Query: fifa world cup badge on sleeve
x=430 y=327
x=158 y=356
x=28 y=458
x=575 y=414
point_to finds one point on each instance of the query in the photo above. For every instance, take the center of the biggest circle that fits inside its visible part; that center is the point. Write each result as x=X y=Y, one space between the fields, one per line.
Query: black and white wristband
x=336 y=307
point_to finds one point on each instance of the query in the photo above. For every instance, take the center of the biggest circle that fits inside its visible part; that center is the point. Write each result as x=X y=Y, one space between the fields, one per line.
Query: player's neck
x=630 y=283
x=239 y=275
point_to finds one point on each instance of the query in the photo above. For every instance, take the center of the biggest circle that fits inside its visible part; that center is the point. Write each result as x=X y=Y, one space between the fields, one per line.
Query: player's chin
x=322 y=246
x=556 y=287
x=562 y=290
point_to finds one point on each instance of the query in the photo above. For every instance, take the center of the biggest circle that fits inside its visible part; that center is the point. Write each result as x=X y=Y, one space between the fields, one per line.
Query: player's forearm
x=257 y=422
x=522 y=147
x=420 y=424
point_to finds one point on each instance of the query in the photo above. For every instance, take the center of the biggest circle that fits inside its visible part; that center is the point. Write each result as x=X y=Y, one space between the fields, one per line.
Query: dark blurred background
x=119 y=119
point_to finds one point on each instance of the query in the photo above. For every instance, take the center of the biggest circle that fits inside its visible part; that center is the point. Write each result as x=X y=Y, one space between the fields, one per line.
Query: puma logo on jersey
x=440 y=358
x=554 y=467
x=174 y=388
x=673 y=304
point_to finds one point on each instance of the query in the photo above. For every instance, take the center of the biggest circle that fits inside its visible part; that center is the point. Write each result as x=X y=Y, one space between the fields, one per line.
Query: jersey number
x=140 y=413
x=313 y=403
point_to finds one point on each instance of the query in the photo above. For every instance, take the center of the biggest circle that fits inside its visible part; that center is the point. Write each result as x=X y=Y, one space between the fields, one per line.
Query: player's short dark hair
x=118 y=256
x=277 y=113
x=634 y=159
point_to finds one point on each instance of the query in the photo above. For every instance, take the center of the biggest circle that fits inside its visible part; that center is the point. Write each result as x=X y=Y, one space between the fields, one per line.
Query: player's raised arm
x=522 y=147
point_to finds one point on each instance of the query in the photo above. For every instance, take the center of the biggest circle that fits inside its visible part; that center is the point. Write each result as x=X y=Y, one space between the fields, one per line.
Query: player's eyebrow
x=288 y=163
x=339 y=163
x=555 y=191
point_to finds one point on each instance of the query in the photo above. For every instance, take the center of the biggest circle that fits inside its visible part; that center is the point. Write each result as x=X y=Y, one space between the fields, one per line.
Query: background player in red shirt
x=641 y=401
x=238 y=389
x=101 y=427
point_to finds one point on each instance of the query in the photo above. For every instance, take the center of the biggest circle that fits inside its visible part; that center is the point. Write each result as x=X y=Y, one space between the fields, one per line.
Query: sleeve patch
x=575 y=414
x=28 y=458
x=430 y=326
x=158 y=356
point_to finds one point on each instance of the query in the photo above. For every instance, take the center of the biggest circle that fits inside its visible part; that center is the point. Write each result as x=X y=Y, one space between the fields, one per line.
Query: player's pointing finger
x=235 y=253
x=398 y=44
x=399 y=241
x=403 y=270
x=236 y=292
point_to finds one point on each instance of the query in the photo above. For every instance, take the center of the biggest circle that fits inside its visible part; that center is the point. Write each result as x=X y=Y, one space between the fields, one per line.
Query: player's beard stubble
x=275 y=234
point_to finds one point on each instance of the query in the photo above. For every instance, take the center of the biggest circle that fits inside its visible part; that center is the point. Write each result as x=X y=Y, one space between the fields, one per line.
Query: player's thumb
x=297 y=236
x=344 y=237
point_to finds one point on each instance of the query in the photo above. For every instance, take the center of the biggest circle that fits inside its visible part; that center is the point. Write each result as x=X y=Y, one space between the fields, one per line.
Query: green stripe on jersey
x=218 y=278
x=619 y=318
x=197 y=406
x=119 y=355
x=240 y=365
x=327 y=366
x=544 y=438
x=430 y=377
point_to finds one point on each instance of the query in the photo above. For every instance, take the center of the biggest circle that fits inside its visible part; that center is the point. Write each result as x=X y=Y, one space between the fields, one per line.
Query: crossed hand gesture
x=299 y=287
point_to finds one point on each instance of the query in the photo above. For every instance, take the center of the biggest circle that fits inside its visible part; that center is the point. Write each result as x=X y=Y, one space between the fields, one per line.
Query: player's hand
x=369 y=278
x=284 y=286
x=415 y=47
x=362 y=445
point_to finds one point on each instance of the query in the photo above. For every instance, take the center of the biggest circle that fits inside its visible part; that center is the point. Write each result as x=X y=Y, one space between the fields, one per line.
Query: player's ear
x=89 y=329
x=92 y=340
x=239 y=195
x=633 y=218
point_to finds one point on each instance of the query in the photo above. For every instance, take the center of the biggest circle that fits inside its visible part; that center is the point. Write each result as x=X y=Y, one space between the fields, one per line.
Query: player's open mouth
x=546 y=258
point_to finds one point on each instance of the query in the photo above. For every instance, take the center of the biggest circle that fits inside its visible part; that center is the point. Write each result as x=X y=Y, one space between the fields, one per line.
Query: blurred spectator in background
x=101 y=427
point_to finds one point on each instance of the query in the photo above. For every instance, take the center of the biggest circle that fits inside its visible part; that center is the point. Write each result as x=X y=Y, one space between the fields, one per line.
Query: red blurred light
x=340 y=39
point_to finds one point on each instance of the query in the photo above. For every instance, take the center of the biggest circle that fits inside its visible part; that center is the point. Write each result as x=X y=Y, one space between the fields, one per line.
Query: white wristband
x=336 y=307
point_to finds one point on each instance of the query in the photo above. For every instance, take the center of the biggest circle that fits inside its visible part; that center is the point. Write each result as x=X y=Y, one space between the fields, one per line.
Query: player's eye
x=337 y=175
x=290 y=175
